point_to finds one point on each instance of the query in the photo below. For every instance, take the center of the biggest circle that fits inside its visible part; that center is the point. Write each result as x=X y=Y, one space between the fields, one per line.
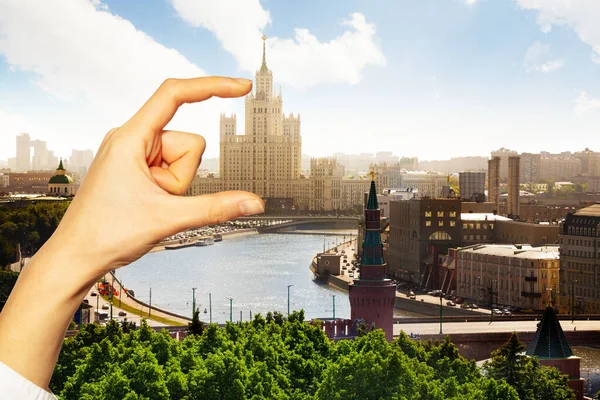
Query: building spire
x=263 y=67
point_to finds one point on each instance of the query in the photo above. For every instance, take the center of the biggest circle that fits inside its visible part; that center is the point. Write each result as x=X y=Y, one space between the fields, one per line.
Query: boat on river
x=181 y=245
x=217 y=237
x=205 y=242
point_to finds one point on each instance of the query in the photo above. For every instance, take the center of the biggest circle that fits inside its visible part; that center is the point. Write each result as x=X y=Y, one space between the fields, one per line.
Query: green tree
x=195 y=327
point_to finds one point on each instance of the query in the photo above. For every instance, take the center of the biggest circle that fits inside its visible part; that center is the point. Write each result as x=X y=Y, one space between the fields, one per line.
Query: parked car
x=451 y=304
x=105 y=306
x=459 y=300
x=93 y=293
x=86 y=301
x=464 y=305
x=413 y=297
x=122 y=314
x=473 y=306
x=497 y=311
x=507 y=313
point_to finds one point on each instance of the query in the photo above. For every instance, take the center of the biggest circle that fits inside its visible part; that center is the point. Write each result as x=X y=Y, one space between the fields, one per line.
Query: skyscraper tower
x=23 y=152
x=372 y=296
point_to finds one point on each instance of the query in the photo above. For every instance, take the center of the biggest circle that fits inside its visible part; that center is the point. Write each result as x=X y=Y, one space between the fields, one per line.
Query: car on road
x=451 y=304
x=464 y=306
x=507 y=313
x=473 y=306
x=351 y=275
x=105 y=306
x=93 y=293
x=497 y=311
x=122 y=314
x=86 y=301
x=413 y=297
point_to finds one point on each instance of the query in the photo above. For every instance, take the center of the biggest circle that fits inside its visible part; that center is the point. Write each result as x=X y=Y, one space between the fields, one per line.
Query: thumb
x=209 y=209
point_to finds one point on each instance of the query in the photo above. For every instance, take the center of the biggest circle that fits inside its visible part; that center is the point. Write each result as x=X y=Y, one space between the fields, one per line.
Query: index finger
x=156 y=113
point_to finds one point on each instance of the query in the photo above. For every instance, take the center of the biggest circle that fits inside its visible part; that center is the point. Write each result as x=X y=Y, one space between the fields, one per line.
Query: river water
x=254 y=270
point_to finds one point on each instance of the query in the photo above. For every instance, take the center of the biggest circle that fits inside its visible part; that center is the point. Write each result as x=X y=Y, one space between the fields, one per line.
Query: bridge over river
x=292 y=223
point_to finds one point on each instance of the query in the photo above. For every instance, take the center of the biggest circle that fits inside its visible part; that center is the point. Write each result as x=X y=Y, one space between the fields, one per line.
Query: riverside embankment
x=423 y=304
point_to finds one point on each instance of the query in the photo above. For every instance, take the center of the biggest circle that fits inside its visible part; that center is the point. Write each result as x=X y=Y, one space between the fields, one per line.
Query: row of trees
x=279 y=358
x=31 y=226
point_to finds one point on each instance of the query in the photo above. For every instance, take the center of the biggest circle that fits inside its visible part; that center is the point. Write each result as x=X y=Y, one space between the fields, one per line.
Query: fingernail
x=243 y=81
x=250 y=207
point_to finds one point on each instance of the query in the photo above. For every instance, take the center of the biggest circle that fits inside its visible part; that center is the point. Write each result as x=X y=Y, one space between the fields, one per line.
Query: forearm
x=38 y=311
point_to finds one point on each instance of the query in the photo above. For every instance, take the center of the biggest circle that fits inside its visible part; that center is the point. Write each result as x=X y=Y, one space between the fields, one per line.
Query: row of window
x=440 y=223
x=440 y=214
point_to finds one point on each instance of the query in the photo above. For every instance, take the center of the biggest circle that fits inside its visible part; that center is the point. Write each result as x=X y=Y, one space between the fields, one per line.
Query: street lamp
x=288 y=304
x=193 y=302
x=230 y=308
x=441 y=307
x=333 y=296
x=210 y=308
x=573 y=282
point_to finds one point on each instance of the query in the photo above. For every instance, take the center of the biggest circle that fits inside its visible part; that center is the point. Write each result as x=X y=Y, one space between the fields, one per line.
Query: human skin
x=129 y=201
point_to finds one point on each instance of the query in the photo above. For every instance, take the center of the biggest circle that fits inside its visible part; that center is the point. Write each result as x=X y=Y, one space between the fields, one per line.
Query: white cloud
x=300 y=61
x=92 y=59
x=470 y=2
x=581 y=15
x=537 y=58
x=584 y=104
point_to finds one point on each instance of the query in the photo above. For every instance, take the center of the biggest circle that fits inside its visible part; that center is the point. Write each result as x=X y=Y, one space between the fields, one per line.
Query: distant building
x=559 y=168
x=61 y=184
x=23 y=159
x=593 y=183
x=81 y=160
x=530 y=167
x=580 y=269
x=29 y=182
x=503 y=154
x=515 y=275
x=420 y=229
x=4 y=180
x=471 y=185
x=590 y=162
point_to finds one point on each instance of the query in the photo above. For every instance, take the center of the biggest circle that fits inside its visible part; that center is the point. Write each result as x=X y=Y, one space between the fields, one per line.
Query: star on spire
x=263 y=67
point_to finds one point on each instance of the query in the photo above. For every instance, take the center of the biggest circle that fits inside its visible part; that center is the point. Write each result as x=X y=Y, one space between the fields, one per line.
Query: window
x=428 y=223
x=428 y=214
x=440 y=214
x=452 y=223
x=452 y=214
x=440 y=223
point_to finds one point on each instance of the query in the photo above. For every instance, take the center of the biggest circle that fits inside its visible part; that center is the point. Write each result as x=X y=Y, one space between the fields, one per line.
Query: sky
x=433 y=79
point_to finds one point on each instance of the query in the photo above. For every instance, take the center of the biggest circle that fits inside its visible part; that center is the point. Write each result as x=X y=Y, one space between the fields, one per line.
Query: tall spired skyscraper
x=372 y=296
x=267 y=158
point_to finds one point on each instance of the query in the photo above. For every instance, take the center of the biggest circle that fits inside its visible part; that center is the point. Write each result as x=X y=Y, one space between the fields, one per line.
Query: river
x=253 y=270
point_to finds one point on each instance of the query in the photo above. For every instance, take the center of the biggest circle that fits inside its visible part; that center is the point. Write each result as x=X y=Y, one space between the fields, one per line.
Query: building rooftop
x=549 y=340
x=482 y=217
x=524 y=251
x=591 y=211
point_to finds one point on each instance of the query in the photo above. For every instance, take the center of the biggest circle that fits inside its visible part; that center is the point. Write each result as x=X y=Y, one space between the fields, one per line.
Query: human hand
x=130 y=198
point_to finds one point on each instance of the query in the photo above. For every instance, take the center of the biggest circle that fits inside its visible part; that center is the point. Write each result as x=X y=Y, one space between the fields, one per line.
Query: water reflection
x=590 y=366
x=254 y=270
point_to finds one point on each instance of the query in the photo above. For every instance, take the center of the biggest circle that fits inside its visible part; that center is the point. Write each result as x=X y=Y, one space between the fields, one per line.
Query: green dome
x=65 y=179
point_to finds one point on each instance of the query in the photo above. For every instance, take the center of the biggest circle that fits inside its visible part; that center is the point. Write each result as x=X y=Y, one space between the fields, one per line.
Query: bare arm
x=129 y=201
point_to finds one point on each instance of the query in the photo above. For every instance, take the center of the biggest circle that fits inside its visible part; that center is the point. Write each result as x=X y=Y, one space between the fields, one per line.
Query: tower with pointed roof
x=550 y=347
x=372 y=295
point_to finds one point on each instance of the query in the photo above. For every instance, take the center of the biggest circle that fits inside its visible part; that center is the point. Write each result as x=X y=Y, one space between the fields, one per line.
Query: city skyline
x=419 y=72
